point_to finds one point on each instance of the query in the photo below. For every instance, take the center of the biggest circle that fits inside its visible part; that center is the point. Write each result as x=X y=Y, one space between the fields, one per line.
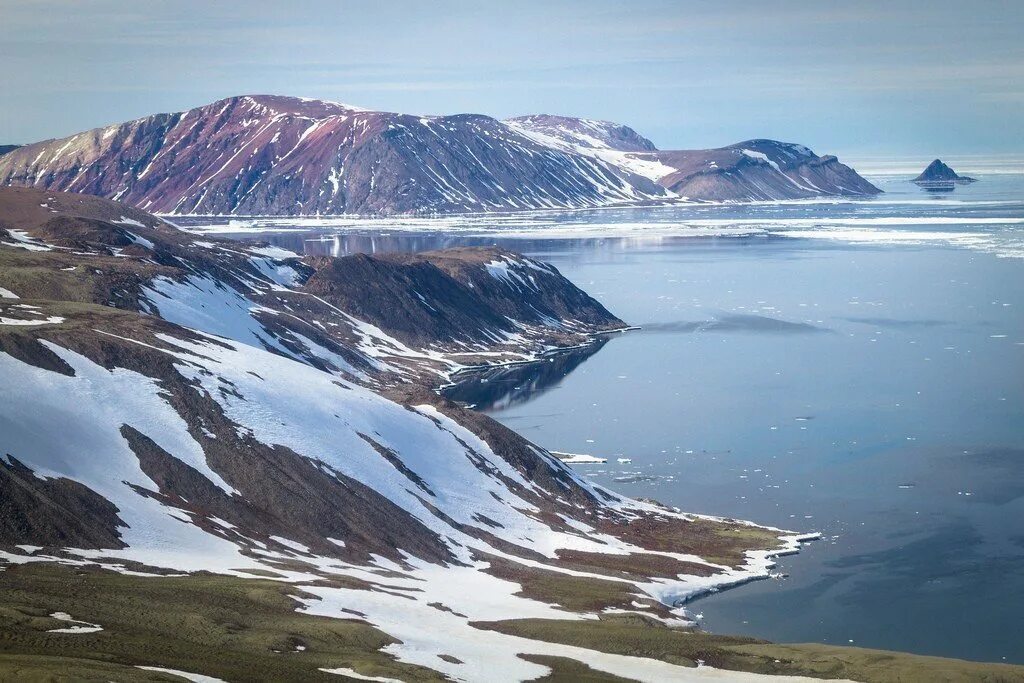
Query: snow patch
x=195 y=678
x=578 y=458
x=90 y=408
x=761 y=156
x=269 y=252
x=124 y=220
x=24 y=241
x=17 y=322
x=77 y=626
x=352 y=673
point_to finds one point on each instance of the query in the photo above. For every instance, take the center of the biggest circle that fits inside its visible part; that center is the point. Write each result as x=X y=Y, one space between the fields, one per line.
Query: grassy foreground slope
x=249 y=630
x=638 y=636
x=229 y=628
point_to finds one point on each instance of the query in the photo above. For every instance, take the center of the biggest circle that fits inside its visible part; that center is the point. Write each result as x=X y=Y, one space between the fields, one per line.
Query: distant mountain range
x=273 y=155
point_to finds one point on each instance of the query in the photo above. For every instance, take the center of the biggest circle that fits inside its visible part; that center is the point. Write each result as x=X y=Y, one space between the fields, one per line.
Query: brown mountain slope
x=274 y=155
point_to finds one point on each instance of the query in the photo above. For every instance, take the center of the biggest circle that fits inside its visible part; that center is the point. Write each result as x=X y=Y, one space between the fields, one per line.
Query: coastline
x=684 y=588
x=675 y=594
x=538 y=357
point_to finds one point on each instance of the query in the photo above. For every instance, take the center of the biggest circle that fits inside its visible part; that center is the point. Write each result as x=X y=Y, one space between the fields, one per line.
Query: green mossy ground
x=219 y=626
x=640 y=637
x=249 y=630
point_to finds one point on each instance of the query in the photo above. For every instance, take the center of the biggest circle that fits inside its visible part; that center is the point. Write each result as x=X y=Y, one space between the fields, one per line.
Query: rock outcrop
x=939 y=173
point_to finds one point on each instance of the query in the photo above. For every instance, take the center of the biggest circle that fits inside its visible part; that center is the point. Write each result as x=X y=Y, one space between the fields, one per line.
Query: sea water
x=854 y=368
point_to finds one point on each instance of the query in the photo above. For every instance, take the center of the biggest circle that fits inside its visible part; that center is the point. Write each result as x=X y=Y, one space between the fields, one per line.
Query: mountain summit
x=938 y=172
x=274 y=155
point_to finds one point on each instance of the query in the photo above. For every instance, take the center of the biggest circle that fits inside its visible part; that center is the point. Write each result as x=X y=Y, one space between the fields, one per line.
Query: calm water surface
x=858 y=383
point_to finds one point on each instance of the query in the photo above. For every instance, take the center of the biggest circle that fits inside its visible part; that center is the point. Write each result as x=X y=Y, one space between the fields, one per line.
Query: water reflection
x=938 y=188
x=734 y=322
x=501 y=388
x=346 y=244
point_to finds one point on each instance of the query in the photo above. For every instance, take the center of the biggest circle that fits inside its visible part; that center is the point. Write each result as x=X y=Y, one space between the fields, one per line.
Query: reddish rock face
x=758 y=170
x=588 y=133
x=753 y=170
x=272 y=155
x=288 y=156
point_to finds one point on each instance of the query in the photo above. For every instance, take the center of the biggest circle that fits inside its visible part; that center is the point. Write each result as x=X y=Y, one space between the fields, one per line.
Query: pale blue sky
x=909 y=78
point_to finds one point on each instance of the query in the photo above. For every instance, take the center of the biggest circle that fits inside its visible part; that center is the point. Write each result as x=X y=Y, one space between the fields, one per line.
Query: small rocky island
x=939 y=174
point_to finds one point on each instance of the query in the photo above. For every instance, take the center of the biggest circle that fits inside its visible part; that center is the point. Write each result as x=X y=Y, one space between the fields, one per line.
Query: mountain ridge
x=277 y=155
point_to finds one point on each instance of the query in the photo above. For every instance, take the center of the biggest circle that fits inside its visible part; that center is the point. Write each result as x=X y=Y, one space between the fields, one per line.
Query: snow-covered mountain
x=284 y=155
x=584 y=133
x=758 y=170
x=754 y=170
x=273 y=155
x=175 y=404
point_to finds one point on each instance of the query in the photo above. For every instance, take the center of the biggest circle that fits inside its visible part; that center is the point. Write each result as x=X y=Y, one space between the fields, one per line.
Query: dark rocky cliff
x=938 y=172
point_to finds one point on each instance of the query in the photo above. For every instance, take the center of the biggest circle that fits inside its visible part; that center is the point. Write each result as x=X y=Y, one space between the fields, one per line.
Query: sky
x=868 y=80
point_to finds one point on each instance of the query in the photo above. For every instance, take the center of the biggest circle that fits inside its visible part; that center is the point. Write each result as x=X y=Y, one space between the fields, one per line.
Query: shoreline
x=676 y=593
x=759 y=563
x=409 y=217
x=536 y=358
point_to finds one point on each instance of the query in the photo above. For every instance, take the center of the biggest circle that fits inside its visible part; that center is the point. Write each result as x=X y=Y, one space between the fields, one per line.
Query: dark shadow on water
x=500 y=388
x=898 y=323
x=735 y=322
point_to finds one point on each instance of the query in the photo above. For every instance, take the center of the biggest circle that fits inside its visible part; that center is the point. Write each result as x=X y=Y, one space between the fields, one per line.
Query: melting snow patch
x=269 y=252
x=200 y=302
x=7 y=294
x=23 y=241
x=124 y=220
x=578 y=458
x=92 y=405
x=294 y=545
x=195 y=678
x=352 y=673
x=761 y=156
x=141 y=241
x=425 y=632
x=77 y=627
x=52 y=320
x=504 y=270
x=280 y=274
